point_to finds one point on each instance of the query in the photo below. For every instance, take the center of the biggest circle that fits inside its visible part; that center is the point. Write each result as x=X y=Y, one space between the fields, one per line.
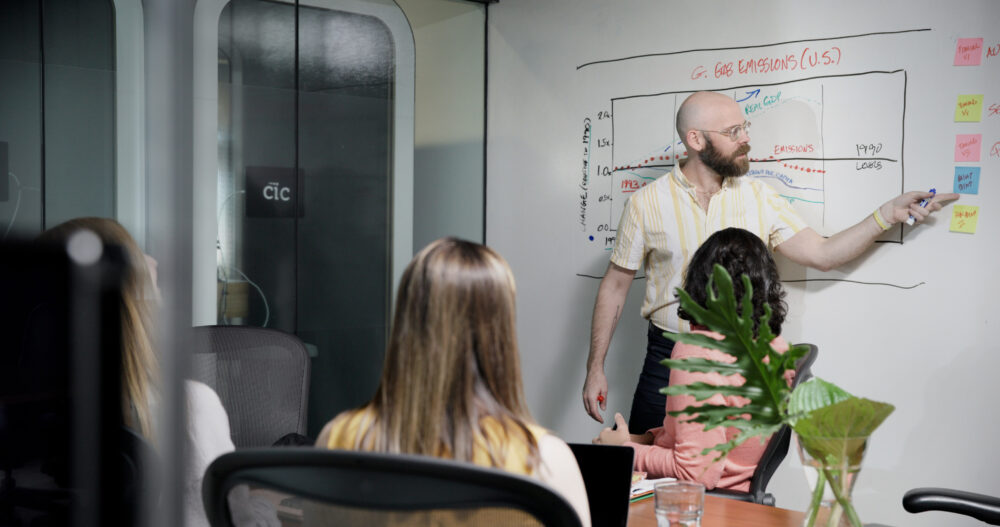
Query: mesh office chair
x=261 y=376
x=777 y=446
x=979 y=506
x=335 y=487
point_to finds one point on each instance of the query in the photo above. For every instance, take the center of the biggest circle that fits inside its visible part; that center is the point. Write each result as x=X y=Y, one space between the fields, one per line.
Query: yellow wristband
x=878 y=219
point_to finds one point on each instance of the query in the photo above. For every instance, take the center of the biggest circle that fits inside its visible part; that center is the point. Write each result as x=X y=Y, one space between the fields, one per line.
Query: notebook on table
x=644 y=488
x=607 y=474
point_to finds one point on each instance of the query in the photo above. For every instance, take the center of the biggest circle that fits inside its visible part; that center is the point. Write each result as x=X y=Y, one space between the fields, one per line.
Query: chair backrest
x=777 y=447
x=261 y=376
x=803 y=369
x=336 y=487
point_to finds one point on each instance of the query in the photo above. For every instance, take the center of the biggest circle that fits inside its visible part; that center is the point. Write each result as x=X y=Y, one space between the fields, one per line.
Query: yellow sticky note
x=964 y=218
x=969 y=109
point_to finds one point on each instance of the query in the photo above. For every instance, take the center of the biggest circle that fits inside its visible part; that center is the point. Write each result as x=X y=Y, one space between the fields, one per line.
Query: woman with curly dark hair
x=740 y=252
x=674 y=449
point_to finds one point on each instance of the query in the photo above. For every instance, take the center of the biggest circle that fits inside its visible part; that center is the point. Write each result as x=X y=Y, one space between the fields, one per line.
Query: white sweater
x=207 y=437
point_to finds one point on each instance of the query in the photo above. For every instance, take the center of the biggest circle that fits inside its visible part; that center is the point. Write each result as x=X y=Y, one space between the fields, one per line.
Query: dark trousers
x=648 y=404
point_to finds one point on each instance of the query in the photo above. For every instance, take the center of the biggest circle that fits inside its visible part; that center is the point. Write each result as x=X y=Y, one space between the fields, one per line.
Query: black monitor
x=60 y=401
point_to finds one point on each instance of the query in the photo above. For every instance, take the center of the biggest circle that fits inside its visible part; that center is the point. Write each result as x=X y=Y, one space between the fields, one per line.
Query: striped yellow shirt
x=662 y=226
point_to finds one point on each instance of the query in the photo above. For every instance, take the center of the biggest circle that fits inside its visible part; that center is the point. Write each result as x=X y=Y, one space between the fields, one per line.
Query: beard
x=723 y=165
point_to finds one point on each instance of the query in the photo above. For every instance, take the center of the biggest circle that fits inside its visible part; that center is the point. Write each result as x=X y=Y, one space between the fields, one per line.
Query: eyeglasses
x=733 y=131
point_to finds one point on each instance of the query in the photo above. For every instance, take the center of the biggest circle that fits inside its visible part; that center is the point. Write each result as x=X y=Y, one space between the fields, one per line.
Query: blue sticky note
x=966 y=180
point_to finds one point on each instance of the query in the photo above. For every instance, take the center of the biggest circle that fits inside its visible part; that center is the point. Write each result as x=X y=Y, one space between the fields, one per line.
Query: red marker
x=600 y=398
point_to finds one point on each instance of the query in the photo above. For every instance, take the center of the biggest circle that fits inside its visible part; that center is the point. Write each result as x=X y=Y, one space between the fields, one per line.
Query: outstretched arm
x=607 y=311
x=807 y=247
x=620 y=435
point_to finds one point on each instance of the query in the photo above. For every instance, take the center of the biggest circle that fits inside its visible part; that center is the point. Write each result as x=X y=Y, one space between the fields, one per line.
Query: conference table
x=722 y=512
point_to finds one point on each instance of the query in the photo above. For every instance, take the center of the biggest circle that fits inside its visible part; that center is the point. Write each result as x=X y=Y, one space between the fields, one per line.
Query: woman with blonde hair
x=451 y=382
x=139 y=366
x=206 y=431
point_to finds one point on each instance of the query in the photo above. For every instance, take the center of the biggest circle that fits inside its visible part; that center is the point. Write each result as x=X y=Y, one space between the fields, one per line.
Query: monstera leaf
x=837 y=434
x=765 y=384
x=812 y=395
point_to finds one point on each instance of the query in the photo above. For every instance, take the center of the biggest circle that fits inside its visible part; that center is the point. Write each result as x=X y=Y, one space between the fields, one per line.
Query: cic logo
x=275 y=192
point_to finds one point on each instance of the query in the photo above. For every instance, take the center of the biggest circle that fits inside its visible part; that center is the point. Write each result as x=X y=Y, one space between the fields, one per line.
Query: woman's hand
x=618 y=436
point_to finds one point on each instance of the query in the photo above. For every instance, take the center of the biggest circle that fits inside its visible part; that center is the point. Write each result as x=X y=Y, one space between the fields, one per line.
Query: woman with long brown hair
x=139 y=366
x=451 y=382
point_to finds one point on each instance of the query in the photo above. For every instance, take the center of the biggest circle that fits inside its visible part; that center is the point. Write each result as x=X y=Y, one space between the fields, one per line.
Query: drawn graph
x=827 y=128
x=827 y=144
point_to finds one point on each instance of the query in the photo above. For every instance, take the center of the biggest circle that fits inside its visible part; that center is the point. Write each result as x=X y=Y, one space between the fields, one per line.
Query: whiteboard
x=850 y=105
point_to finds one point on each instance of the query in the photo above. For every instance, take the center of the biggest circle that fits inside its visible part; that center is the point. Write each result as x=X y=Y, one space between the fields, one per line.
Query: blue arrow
x=750 y=94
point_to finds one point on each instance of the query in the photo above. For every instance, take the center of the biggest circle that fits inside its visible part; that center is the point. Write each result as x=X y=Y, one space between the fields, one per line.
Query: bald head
x=704 y=111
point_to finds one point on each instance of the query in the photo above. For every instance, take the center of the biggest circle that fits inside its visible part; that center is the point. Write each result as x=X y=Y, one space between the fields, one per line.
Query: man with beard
x=666 y=221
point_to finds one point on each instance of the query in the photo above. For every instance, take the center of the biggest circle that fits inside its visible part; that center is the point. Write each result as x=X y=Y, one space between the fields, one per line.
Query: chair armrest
x=979 y=506
x=761 y=498
x=731 y=494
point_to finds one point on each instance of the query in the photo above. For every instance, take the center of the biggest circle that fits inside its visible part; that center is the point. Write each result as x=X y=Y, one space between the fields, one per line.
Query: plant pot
x=832 y=466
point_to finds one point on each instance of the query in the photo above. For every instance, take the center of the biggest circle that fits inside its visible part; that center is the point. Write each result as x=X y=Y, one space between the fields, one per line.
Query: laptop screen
x=607 y=474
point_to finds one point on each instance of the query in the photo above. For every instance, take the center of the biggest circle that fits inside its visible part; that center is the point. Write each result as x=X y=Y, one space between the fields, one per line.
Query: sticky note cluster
x=968 y=146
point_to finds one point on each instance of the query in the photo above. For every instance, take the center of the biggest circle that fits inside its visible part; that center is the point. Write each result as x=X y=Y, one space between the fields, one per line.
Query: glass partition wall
x=71 y=117
x=272 y=179
x=57 y=113
x=314 y=113
x=72 y=144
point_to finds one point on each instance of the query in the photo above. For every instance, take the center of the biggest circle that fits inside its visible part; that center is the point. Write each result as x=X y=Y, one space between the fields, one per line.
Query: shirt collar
x=680 y=178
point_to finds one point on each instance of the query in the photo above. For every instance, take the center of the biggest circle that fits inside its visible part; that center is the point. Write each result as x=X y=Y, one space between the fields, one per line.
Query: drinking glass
x=679 y=503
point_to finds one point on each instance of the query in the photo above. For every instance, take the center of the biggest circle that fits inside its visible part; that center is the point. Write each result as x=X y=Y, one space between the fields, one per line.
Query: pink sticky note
x=968 y=51
x=967 y=147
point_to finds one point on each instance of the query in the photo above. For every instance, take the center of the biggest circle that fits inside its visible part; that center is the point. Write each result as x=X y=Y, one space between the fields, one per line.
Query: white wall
x=927 y=349
x=448 y=139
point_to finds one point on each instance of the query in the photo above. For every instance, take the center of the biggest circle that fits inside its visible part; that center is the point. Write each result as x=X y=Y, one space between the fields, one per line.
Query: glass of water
x=679 y=503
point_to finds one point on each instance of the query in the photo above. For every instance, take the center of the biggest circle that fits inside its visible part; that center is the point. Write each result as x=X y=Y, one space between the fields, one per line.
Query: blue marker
x=923 y=203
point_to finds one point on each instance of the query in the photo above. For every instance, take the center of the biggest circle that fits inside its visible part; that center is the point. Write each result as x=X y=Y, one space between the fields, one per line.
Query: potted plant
x=832 y=425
